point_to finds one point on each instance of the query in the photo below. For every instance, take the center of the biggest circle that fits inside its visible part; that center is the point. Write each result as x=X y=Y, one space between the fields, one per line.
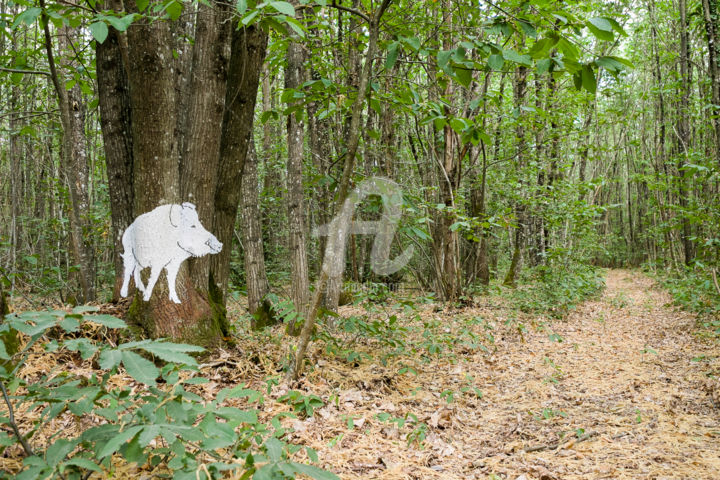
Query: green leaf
x=69 y=324
x=314 y=472
x=142 y=370
x=274 y=448
x=601 y=23
x=443 y=58
x=616 y=26
x=496 y=61
x=284 y=8
x=588 y=79
x=543 y=65
x=528 y=29
x=106 y=320
x=174 y=9
x=83 y=463
x=513 y=56
x=392 y=55
x=99 y=31
x=463 y=76
x=28 y=17
x=110 y=359
x=600 y=33
x=118 y=440
x=57 y=452
x=241 y=6
x=121 y=23
x=173 y=352
x=251 y=16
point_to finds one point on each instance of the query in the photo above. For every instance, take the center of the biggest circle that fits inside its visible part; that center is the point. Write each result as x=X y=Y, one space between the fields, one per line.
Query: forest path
x=630 y=372
x=625 y=368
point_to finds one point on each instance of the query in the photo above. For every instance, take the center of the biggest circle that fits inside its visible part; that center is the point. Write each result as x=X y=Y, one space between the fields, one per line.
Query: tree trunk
x=255 y=275
x=299 y=276
x=74 y=161
x=683 y=133
x=200 y=162
x=352 y=143
x=519 y=94
x=710 y=10
x=247 y=55
x=116 y=123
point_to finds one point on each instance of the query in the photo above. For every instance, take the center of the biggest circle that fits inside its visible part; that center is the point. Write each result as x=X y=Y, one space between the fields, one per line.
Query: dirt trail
x=623 y=373
x=627 y=375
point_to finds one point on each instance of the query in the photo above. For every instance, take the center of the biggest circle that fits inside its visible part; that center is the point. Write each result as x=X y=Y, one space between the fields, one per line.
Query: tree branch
x=351 y=10
x=29 y=72
x=13 y=425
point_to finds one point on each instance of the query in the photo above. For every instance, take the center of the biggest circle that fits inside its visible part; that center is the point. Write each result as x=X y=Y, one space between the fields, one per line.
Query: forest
x=359 y=239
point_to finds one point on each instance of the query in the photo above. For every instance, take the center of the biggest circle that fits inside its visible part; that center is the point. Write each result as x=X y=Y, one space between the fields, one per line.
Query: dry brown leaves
x=619 y=397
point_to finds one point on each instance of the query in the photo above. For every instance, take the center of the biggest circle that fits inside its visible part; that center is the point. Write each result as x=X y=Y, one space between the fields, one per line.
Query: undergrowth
x=695 y=291
x=555 y=290
x=156 y=422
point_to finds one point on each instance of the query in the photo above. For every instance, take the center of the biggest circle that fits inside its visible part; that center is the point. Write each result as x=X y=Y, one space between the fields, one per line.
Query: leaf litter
x=610 y=392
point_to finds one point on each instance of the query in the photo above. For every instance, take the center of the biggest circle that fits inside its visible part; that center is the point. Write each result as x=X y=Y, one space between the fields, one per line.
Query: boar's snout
x=214 y=244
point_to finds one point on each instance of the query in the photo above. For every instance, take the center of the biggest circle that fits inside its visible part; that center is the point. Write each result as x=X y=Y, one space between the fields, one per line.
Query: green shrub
x=163 y=427
x=556 y=289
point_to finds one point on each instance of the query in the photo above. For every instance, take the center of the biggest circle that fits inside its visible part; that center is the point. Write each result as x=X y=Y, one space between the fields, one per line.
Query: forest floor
x=619 y=389
x=625 y=368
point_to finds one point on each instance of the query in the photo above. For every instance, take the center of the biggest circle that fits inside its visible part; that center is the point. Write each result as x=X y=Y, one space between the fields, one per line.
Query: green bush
x=163 y=427
x=694 y=291
x=556 y=289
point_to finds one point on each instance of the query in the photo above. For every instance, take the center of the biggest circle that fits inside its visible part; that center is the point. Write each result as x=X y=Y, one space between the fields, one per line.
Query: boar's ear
x=189 y=205
x=175 y=215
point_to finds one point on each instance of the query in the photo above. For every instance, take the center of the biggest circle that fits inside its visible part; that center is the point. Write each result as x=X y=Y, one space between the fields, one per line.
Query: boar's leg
x=129 y=267
x=138 y=279
x=154 y=274
x=172 y=271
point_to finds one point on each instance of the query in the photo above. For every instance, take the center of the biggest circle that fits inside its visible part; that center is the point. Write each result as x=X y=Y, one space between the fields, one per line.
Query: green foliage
x=161 y=426
x=557 y=289
x=303 y=405
x=694 y=291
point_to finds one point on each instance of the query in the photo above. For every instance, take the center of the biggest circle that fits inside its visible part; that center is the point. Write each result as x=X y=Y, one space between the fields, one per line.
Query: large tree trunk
x=248 y=47
x=200 y=161
x=116 y=124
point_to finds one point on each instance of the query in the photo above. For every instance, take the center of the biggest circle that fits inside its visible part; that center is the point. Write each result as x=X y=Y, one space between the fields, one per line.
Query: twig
x=715 y=280
x=18 y=70
x=553 y=446
x=11 y=415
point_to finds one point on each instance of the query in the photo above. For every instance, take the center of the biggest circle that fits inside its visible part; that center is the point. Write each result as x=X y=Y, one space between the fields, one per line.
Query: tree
x=217 y=123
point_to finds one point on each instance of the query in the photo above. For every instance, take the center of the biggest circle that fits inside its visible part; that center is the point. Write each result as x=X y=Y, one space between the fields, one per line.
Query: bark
x=247 y=55
x=74 y=163
x=683 y=132
x=520 y=91
x=255 y=274
x=299 y=276
x=200 y=161
x=116 y=124
x=710 y=12
x=157 y=181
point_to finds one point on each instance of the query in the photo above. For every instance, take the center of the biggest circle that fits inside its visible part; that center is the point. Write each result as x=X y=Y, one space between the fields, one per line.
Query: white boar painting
x=164 y=238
